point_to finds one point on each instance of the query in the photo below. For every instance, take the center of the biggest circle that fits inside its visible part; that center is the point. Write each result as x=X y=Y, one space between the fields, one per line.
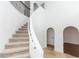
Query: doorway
x=50 y=38
x=71 y=41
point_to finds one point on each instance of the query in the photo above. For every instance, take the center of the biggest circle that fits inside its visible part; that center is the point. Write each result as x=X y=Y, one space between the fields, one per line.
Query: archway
x=50 y=38
x=71 y=41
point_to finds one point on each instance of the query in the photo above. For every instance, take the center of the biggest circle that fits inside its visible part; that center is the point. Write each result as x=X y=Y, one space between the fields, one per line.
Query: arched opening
x=50 y=38
x=71 y=41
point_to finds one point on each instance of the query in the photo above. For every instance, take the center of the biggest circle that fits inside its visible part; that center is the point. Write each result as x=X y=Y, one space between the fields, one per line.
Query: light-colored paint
x=35 y=48
x=39 y=16
x=10 y=20
x=57 y=15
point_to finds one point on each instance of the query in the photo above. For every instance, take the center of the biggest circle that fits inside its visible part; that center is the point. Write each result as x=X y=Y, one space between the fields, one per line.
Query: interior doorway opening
x=50 y=38
x=71 y=41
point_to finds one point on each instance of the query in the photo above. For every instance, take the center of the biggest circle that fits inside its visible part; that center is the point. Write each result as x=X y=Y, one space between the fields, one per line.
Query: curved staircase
x=18 y=46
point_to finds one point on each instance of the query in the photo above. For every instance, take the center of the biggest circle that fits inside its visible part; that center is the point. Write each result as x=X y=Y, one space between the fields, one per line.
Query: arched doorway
x=71 y=41
x=50 y=38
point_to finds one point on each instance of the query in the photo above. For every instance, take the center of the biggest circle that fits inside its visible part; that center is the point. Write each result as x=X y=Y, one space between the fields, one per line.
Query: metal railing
x=24 y=5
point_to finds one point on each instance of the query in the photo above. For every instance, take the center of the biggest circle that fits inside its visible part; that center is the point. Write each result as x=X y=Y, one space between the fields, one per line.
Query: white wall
x=61 y=15
x=37 y=20
x=57 y=15
x=10 y=21
x=36 y=50
x=35 y=46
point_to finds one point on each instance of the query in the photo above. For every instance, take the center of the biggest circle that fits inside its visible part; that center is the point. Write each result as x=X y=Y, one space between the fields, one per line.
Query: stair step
x=25 y=24
x=21 y=31
x=18 y=40
x=16 y=45
x=21 y=56
x=23 y=28
x=14 y=51
x=20 y=35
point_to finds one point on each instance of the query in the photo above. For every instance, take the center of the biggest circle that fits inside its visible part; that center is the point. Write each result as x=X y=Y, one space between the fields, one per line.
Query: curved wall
x=37 y=21
x=10 y=21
